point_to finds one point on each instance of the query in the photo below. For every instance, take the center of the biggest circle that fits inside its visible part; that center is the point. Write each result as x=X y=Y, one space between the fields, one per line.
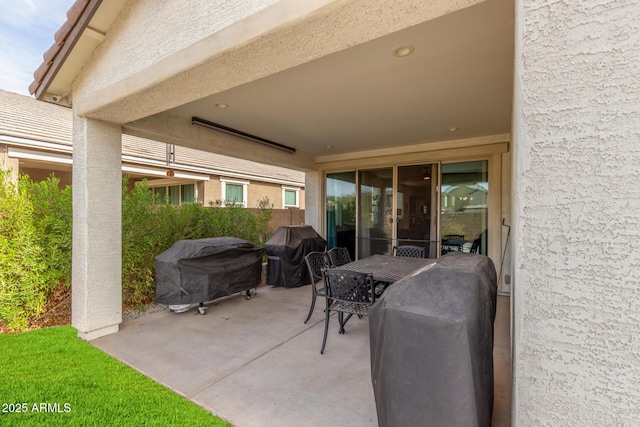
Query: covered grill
x=286 y=250
x=197 y=271
x=432 y=345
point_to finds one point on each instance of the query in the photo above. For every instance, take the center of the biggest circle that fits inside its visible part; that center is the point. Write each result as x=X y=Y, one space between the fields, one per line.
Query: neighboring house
x=36 y=139
x=530 y=106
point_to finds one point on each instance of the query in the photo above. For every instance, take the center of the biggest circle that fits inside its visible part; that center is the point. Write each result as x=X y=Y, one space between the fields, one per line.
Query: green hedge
x=149 y=228
x=35 y=240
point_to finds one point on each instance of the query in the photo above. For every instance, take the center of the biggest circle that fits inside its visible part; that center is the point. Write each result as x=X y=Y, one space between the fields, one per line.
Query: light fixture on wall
x=426 y=176
x=215 y=126
x=171 y=158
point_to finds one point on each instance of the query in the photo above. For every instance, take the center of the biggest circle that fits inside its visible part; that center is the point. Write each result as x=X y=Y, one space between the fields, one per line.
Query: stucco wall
x=256 y=191
x=9 y=163
x=129 y=77
x=259 y=190
x=577 y=204
x=130 y=36
x=42 y=174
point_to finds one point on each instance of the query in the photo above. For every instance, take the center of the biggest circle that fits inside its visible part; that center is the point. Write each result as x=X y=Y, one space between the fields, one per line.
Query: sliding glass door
x=375 y=207
x=464 y=205
x=341 y=211
x=417 y=214
x=441 y=207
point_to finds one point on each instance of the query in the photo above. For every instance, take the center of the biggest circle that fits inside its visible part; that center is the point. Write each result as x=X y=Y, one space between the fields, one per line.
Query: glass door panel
x=341 y=211
x=416 y=207
x=375 y=202
x=464 y=207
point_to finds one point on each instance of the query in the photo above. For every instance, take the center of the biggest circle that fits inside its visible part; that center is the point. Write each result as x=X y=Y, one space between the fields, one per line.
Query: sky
x=27 y=28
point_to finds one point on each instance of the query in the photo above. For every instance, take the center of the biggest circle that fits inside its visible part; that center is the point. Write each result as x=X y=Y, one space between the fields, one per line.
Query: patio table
x=387 y=268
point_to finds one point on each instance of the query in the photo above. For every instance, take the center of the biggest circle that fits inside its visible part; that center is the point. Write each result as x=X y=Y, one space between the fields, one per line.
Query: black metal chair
x=452 y=243
x=476 y=246
x=339 y=256
x=347 y=292
x=409 y=251
x=316 y=261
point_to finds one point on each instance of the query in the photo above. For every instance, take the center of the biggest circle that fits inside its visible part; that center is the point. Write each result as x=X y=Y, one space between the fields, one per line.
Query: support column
x=313 y=200
x=576 y=212
x=9 y=164
x=97 y=228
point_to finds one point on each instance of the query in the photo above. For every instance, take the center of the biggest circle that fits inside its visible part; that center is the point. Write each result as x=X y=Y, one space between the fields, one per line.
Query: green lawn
x=55 y=379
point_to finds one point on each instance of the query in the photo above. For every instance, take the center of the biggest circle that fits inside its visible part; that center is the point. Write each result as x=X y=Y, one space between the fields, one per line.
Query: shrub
x=142 y=237
x=36 y=237
x=24 y=279
x=150 y=227
x=52 y=218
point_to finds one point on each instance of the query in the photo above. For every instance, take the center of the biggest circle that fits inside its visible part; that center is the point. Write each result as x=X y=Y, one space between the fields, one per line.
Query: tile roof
x=27 y=118
x=61 y=39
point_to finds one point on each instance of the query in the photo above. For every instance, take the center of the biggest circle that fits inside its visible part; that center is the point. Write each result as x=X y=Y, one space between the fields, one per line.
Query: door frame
x=492 y=152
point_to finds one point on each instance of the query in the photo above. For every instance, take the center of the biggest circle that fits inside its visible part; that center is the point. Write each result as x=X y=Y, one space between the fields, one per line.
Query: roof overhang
x=83 y=31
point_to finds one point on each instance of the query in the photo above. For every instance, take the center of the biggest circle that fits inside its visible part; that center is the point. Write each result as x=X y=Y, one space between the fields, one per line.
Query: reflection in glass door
x=375 y=203
x=341 y=211
x=416 y=207
x=365 y=214
x=464 y=207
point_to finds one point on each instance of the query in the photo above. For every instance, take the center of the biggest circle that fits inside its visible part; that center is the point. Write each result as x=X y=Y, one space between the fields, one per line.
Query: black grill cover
x=193 y=271
x=432 y=345
x=286 y=250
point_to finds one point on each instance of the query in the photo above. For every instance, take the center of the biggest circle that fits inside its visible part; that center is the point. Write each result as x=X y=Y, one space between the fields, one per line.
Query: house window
x=175 y=194
x=187 y=193
x=234 y=192
x=290 y=197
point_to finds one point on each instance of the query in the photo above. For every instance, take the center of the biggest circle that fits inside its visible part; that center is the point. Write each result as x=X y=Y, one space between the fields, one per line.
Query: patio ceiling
x=460 y=75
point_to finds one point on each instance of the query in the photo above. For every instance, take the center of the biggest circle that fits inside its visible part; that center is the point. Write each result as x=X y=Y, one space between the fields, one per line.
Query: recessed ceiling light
x=403 y=51
x=452 y=129
x=328 y=147
x=222 y=105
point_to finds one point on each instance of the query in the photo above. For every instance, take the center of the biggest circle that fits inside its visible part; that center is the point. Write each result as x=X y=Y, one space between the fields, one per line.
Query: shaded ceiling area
x=459 y=76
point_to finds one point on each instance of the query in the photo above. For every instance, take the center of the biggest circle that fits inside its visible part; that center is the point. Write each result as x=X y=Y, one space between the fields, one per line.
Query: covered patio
x=255 y=363
x=541 y=96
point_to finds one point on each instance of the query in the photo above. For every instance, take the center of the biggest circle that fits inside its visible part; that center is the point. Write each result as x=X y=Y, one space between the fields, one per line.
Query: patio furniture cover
x=432 y=345
x=286 y=250
x=194 y=271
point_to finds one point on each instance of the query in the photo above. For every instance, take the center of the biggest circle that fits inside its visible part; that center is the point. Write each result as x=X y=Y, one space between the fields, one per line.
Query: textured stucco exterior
x=208 y=59
x=8 y=164
x=97 y=228
x=575 y=153
x=130 y=37
x=256 y=191
x=577 y=213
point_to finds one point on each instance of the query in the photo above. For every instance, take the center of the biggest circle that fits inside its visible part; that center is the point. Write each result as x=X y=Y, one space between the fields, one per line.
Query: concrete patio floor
x=255 y=363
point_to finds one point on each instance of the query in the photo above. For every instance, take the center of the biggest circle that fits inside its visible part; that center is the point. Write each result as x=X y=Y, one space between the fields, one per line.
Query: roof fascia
x=69 y=43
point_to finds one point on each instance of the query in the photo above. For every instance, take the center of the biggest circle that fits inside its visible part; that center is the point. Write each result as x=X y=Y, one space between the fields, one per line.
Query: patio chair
x=452 y=243
x=477 y=242
x=339 y=256
x=408 y=251
x=453 y=237
x=316 y=261
x=347 y=292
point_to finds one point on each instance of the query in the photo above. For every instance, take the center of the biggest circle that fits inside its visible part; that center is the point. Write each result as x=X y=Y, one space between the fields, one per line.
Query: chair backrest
x=316 y=261
x=477 y=242
x=475 y=246
x=339 y=256
x=409 y=251
x=350 y=286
